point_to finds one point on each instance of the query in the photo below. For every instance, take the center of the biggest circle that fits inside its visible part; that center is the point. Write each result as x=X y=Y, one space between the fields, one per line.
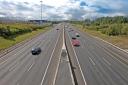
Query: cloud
x=26 y=3
x=22 y=7
x=107 y=6
x=55 y=17
x=75 y=13
x=63 y=9
x=2 y=13
x=83 y=3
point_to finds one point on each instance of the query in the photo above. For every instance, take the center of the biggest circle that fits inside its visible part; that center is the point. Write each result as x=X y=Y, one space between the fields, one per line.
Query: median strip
x=78 y=76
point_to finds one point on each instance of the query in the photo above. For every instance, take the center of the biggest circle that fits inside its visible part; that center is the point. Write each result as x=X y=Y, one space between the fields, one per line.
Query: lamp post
x=41 y=11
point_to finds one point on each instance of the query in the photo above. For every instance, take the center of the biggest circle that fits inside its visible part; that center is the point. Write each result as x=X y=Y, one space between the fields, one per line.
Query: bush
x=11 y=30
x=104 y=31
x=124 y=30
x=112 y=26
x=115 y=30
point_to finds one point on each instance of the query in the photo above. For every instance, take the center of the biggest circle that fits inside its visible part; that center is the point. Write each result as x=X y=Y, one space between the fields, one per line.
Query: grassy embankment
x=15 y=33
x=118 y=40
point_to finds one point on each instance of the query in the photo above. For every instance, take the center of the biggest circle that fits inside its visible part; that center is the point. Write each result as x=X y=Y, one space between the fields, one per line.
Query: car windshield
x=63 y=42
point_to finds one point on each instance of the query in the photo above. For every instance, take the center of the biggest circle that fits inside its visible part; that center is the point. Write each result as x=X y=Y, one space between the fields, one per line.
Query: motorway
x=94 y=62
x=99 y=62
x=20 y=67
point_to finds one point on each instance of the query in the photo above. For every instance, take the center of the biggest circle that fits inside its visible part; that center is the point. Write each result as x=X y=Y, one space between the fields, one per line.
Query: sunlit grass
x=5 y=43
x=121 y=41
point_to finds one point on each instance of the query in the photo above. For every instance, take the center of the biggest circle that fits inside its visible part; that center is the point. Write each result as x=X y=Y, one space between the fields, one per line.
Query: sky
x=63 y=9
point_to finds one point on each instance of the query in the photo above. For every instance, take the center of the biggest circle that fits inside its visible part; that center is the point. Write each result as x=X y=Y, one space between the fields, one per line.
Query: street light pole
x=41 y=10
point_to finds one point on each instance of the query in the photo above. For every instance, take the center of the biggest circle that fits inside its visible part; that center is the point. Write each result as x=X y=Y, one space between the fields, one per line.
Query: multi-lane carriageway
x=94 y=62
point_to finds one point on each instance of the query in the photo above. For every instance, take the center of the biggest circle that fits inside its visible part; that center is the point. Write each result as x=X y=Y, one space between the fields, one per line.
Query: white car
x=77 y=35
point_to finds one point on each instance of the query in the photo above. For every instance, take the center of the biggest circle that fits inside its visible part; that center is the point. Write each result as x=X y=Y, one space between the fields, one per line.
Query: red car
x=76 y=42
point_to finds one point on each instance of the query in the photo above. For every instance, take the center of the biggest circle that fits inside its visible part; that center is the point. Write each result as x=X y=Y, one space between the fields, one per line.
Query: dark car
x=57 y=29
x=72 y=30
x=76 y=42
x=73 y=38
x=36 y=51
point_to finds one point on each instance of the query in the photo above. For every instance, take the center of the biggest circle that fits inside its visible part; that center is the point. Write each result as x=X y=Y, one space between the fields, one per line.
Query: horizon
x=62 y=10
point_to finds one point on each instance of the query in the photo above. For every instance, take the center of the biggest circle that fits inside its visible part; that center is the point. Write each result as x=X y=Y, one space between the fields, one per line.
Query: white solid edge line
x=49 y=61
x=63 y=47
x=110 y=44
x=104 y=41
x=78 y=61
x=73 y=81
x=71 y=73
x=16 y=53
x=9 y=57
x=54 y=81
x=4 y=61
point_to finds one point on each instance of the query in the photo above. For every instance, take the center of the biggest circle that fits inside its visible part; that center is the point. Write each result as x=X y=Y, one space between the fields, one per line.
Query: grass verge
x=120 y=41
x=5 y=43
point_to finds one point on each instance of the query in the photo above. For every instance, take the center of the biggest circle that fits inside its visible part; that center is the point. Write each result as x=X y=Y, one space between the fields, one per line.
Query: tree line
x=112 y=26
x=13 y=30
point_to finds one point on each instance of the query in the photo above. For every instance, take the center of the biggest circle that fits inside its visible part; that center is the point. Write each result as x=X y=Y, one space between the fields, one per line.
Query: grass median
x=120 y=41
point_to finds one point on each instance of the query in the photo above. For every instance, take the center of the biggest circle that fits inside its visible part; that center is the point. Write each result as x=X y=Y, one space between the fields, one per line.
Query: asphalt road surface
x=100 y=63
x=20 y=67
x=64 y=73
x=94 y=62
